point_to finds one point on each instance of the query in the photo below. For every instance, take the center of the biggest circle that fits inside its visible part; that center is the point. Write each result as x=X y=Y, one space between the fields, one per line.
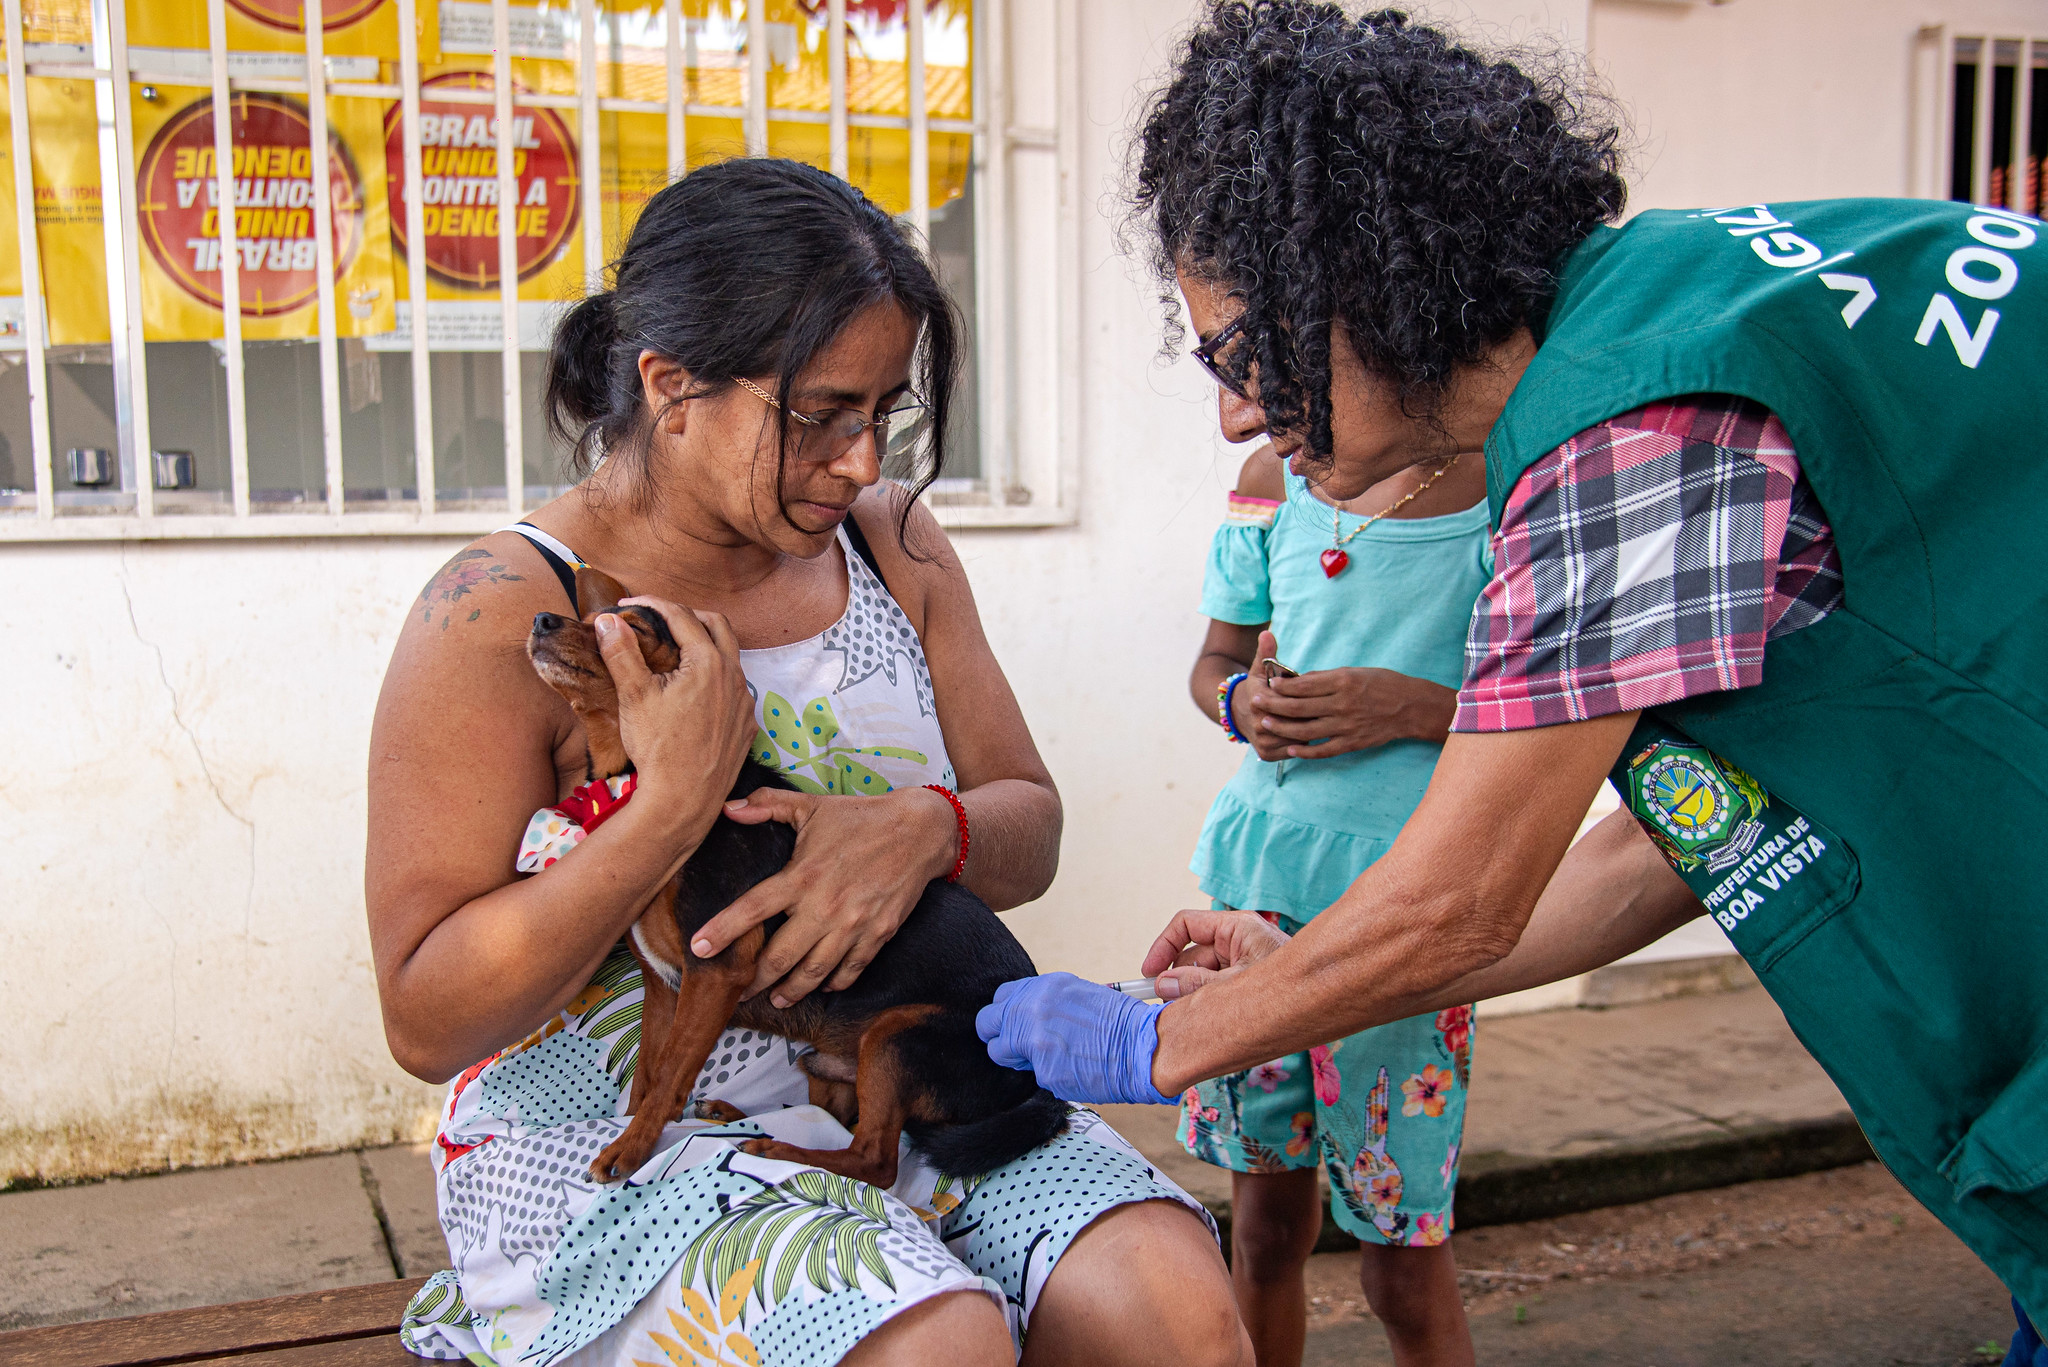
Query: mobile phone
x=1275 y=670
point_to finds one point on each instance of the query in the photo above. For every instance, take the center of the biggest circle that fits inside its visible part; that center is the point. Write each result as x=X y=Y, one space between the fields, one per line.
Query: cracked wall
x=182 y=940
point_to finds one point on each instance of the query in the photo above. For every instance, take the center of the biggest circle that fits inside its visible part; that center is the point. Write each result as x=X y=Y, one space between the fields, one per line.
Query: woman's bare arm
x=1013 y=809
x=1612 y=895
x=470 y=956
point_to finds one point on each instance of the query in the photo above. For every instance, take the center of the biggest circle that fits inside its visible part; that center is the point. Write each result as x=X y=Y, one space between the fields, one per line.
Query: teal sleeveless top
x=1865 y=821
x=1289 y=836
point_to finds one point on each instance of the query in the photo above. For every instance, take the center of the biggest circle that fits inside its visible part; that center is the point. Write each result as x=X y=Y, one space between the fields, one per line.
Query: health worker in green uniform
x=1764 y=481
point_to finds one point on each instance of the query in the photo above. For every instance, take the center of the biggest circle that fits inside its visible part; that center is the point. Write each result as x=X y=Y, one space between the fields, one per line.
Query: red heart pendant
x=1334 y=561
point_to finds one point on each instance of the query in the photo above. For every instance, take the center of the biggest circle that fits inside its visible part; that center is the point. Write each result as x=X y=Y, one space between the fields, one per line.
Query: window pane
x=953 y=245
x=17 y=455
x=1963 y=122
x=82 y=415
x=177 y=255
x=469 y=428
x=188 y=414
x=2031 y=199
x=287 y=458
x=376 y=424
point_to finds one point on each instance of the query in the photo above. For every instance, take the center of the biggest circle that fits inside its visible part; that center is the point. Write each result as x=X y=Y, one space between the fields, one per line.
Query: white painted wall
x=1779 y=99
x=182 y=945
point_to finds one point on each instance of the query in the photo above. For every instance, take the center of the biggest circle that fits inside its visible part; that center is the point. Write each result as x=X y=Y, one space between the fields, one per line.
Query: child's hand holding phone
x=1249 y=702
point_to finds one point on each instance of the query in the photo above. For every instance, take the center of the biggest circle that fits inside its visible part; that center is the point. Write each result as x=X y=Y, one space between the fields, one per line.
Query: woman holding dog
x=1754 y=475
x=731 y=400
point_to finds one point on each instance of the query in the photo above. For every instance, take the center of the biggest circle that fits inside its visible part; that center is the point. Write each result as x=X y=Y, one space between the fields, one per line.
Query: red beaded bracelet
x=959 y=815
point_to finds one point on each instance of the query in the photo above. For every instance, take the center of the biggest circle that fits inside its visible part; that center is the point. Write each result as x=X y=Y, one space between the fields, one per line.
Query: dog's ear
x=597 y=592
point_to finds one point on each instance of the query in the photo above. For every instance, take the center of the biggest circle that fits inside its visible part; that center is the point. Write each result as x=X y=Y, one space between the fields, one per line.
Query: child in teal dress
x=1372 y=613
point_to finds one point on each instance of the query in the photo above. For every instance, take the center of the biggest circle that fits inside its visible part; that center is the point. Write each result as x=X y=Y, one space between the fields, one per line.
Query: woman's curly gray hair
x=1325 y=168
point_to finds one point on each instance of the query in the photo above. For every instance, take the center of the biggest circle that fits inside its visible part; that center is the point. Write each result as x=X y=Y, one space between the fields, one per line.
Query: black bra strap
x=560 y=566
x=859 y=540
x=567 y=574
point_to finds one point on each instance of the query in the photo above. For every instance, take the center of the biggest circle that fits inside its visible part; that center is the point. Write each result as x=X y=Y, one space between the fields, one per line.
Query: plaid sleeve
x=1646 y=560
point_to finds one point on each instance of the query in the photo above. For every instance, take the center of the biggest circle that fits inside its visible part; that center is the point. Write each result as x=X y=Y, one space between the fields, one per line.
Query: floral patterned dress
x=708 y=1254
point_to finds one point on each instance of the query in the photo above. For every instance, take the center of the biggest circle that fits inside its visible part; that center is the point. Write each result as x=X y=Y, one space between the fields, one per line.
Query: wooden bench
x=353 y=1327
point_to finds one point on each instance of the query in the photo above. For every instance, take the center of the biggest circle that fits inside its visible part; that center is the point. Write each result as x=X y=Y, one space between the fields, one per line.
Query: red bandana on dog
x=554 y=831
x=590 y=805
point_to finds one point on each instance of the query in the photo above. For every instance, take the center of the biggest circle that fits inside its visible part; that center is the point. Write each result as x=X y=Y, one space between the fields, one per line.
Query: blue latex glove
x=1085 y=1041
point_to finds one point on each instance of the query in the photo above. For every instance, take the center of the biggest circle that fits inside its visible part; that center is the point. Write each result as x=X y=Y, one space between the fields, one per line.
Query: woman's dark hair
x=747 y=267
x=1372 y=171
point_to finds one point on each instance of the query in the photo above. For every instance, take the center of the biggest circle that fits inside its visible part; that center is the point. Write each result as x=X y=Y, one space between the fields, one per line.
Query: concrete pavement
x=1570 y=1110
x=1830 y=1269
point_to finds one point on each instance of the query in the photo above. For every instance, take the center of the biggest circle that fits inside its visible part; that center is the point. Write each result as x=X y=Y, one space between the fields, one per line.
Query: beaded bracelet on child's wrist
x=1223 y=694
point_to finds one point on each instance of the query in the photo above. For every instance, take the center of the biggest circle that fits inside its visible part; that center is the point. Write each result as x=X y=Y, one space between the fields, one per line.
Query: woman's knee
x=1144 y=1282
x=951 y=1330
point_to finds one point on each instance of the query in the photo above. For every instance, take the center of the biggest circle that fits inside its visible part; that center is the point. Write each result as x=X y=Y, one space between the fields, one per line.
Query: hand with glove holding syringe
x=1094 y=1042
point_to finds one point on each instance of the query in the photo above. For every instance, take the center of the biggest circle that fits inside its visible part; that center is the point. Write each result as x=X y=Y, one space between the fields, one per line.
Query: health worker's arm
x=1422 y=926
x=1613 y=894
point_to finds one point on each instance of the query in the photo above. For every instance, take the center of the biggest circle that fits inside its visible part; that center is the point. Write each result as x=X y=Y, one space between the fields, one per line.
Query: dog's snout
x=545 y=622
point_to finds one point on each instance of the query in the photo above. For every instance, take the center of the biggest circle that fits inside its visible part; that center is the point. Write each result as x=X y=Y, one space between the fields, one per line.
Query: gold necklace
x=1337 y=558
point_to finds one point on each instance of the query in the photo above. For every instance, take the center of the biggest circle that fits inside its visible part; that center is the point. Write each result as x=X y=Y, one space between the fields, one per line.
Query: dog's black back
x=952 y=951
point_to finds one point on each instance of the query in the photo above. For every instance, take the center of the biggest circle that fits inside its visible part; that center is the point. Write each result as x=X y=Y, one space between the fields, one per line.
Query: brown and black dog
x=895 y=1053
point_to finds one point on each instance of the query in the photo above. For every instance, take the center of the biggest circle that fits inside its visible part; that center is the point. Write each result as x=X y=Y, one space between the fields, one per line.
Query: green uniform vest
x=1869 y=823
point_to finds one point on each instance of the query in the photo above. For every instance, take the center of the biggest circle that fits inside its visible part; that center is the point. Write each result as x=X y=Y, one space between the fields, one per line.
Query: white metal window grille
x=1986 y=130
x=1021 y=135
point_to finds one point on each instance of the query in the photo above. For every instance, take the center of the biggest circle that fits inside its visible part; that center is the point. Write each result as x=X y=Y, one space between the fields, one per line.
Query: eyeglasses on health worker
x=1766 y=482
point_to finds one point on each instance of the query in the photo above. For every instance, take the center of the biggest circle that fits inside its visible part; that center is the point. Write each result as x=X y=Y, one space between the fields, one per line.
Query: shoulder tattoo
x=456 y=580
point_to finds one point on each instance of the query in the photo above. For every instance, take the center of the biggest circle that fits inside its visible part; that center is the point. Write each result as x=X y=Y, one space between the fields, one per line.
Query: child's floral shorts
x=1383 y=1109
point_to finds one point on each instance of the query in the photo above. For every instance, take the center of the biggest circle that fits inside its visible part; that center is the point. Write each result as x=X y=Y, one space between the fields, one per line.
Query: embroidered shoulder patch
x=1696 y=806
x=1762 y=868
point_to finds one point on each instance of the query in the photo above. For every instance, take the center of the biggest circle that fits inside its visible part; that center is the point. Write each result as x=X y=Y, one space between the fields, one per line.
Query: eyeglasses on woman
x=830 y=433
x=1209 y=354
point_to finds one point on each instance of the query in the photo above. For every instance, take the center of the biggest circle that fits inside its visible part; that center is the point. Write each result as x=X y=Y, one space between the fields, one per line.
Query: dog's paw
x=724 y=1112
x=767 y=1148
x=620 y=1160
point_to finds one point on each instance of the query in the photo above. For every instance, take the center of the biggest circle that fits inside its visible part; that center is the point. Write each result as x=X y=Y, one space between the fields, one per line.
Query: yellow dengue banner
x=878 y=159
x=353 y=28
x=178 y=213
x=459 y=192
x=178 y=216
x=635 y=164
x=64 y=160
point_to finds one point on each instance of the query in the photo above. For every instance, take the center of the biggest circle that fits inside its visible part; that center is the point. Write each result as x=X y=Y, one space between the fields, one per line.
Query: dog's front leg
x=704 y=1006
x=659 y=949
x=880 y=1086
